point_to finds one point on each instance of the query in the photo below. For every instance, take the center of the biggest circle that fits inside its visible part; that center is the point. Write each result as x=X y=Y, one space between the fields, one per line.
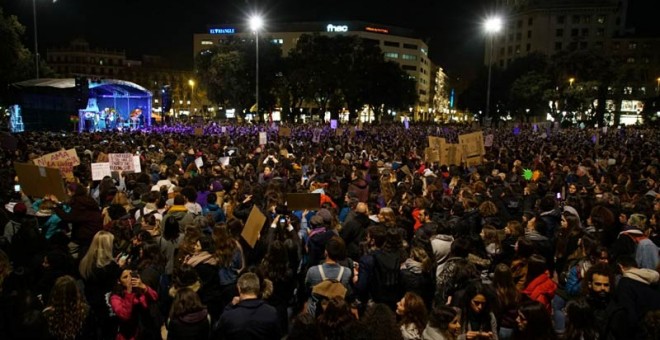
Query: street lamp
x=256 y=23
x=492 y=26
x=570 y=81
x=192 y=90
x=36 y=42
x=658 y=88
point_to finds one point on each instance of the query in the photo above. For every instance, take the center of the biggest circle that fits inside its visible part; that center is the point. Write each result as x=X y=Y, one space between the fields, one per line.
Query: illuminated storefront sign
x=377 y=30
x=229 y=30
x=336 y=28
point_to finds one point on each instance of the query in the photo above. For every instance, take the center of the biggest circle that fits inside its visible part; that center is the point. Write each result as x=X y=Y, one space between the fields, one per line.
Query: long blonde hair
x=98 y=255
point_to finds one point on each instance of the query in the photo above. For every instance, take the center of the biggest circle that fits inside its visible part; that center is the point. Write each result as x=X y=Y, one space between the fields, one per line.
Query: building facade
x=551 y=26
x=399 y=45
x=78 y=59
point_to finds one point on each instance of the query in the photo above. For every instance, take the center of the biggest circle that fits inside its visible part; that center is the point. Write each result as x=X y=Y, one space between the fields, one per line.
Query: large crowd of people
x=552 y=235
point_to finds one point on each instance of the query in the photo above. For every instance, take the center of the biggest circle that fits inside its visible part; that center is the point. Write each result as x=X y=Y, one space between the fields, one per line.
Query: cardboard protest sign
x=452 y=154
x=63 y=160
x=263 y=138
x=121 y=162
x=284 y=152
x=285 y=132
x=39 y=181
x=253 y=226
x=431 y=155
x=303 y=201
x=434 y=142
x=100 y=170
x=199 y=131
x=472 y=147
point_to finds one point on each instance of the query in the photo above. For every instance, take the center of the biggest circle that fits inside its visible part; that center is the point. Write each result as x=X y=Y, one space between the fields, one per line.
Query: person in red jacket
x=131 y=301
x=538 y=285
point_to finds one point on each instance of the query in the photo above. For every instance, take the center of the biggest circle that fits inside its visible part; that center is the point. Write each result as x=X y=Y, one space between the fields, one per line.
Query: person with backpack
x=335 y=250
x=633 y=241
x=379 y=272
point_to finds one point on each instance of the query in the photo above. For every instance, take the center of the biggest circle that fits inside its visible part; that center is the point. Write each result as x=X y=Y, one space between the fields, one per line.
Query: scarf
x=202 y=257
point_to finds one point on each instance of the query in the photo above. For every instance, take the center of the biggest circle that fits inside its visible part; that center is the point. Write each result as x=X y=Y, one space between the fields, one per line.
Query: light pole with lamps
x=571 y=81
x=192 y=92
x=36 y=40
x=492 y=26
x=256 y=22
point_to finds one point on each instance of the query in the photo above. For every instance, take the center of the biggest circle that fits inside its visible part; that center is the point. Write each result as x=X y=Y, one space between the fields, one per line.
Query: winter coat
x=85 y=218
x=541 y=289
x=635 y=294
x=127 y=306
x=352 y=232
x=191 y=326
x=361 y=189
x=181 y=214
x=250 y=319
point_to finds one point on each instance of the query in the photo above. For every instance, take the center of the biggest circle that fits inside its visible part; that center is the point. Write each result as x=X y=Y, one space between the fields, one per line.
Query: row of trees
x=330 y=72
x=528 y=86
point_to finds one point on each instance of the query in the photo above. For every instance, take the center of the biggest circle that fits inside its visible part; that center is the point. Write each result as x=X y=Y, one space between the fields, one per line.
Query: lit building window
x=408 y=57
x=392 y=55
x=207 y=42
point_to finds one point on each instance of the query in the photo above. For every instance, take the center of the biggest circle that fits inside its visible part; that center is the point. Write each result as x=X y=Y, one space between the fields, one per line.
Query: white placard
x=199 y=162
x=121 y=162
x=488 y=141
x=224 y=161
x=263 y=138
x=317 y=135
x=100 y=170
x=223 y=129
x=137 y=168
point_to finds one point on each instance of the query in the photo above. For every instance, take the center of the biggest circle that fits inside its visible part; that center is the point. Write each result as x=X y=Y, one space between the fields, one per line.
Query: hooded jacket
x=361 y=189
x=441 y=245
x=191 y=326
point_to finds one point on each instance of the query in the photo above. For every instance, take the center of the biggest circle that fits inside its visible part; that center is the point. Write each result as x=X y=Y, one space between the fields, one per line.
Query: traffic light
x=82 y=92
x=166 y=98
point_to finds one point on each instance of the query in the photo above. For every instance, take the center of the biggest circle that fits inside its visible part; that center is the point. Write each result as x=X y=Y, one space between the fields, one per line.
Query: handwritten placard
x=121 y=162
x=100 y=170
x=137 y=167
x=64 y=160
x=263 y=138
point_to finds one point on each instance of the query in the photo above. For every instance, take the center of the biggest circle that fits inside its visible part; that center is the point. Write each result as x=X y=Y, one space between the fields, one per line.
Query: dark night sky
x=452 y=28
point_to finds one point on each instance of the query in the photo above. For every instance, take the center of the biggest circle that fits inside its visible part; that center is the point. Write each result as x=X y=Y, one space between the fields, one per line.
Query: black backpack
x=387 y=280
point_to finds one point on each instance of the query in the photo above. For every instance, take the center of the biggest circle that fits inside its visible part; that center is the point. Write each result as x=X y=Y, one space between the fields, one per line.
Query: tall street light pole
x=36 y=43
x=256 y=22
x=492 y=26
